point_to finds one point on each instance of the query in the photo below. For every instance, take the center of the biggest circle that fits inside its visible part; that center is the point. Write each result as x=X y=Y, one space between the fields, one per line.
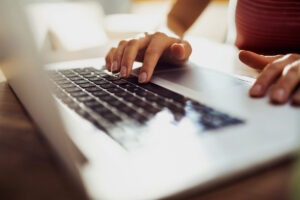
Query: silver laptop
x=187 y=130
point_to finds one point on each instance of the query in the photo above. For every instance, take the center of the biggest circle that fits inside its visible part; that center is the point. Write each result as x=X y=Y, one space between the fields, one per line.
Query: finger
x=118 y=56
x=130 y=54
x=269 y=75
x=178 y=53
x=296 y=97
x=109 y=58
x=157 y=45
x=287 y=83
x=256 y=61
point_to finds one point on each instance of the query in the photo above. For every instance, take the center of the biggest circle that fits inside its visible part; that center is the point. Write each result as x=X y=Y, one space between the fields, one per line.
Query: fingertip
x=278 y=96
x=143 y=77
x=178 y=51
x=123 y=72
x=256 y=91
x=246 y=56
x=241 y=54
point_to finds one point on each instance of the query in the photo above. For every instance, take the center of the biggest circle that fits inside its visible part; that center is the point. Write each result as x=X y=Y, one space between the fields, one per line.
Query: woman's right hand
x=149 y=49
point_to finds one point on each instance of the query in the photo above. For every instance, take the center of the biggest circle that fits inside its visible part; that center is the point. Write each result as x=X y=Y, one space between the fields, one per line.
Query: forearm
x=184 y=13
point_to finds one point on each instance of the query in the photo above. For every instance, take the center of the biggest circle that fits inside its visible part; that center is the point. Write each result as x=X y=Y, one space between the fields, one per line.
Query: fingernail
x=115 y=66
x=256 y=90
x=123 y=71
x=279 y=95
x=142 y=77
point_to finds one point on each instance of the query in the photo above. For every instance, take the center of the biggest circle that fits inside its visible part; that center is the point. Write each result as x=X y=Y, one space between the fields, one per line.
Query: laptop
x=189 y=129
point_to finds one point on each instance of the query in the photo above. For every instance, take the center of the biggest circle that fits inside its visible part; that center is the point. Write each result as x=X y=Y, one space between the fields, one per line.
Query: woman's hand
x=149 y=49
x=280 y=75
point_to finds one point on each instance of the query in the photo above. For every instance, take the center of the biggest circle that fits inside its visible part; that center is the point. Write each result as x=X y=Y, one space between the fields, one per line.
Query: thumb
x=180 y=52
x=255 y=60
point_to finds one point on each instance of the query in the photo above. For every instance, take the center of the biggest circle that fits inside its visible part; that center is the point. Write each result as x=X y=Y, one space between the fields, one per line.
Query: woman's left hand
x=280 y=75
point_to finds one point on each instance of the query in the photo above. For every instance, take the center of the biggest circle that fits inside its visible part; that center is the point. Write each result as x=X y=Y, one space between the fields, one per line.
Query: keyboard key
x=139 y=103
x=94 y=78
x=115 y=90
x=81 y=81
x=100 y=82
x=93 y=89
x=93 y=104
x=108 y=98
x=111 y=78
x=73 y=89
x=86 y=85
x=115 y=102
x=79 y=94
x=63 y=81
x=102 y=110
x=71 y=75
x=85 y=98
x=138 y=117
x=111 y=117
x=107 y=85
x=120 y=82
x=127 y=85
x=68 y=85
x=126 y=109
x=151 y=109
x=123 y=94
x=100 y=94
x=76 y=78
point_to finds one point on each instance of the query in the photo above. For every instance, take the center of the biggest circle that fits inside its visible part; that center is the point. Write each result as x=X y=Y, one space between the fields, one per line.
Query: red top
x=268 y=26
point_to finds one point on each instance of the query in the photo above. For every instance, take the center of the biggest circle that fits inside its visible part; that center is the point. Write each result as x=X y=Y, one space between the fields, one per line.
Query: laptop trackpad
x=198 y=78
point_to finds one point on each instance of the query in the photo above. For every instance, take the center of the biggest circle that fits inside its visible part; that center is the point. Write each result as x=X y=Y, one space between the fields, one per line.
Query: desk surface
x=28 y=169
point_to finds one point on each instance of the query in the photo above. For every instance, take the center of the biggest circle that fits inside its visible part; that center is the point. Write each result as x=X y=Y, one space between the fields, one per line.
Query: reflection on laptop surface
x=110 y=102
x=181 y=132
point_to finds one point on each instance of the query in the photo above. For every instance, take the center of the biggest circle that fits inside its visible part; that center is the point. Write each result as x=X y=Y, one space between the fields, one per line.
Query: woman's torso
x=268 y=26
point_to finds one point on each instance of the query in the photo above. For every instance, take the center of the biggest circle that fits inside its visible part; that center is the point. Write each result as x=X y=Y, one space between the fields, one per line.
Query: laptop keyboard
x=107 y=100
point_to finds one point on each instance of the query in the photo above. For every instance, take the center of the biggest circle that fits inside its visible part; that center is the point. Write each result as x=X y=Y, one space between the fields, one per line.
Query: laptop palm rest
x=198 y=78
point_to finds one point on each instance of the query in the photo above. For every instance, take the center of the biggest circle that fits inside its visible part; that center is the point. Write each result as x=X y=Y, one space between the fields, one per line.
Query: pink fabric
x=268 y=26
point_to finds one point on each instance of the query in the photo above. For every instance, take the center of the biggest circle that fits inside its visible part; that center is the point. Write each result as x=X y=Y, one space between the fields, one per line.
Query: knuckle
x=292 y=56
x=159 y=35
x=122 y=43
x=113 y=49
x=293 y=69
x=274 y=67
x=132 y=42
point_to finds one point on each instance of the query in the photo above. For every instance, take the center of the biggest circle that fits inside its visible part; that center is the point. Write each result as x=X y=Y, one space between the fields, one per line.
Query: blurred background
x=79 y=29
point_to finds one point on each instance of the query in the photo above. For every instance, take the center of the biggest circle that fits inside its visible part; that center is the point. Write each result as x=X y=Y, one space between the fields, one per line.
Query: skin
x=279 y=77
x=158 y=47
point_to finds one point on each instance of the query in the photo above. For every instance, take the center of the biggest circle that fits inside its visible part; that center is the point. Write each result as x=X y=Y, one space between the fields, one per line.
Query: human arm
x=184 y=13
